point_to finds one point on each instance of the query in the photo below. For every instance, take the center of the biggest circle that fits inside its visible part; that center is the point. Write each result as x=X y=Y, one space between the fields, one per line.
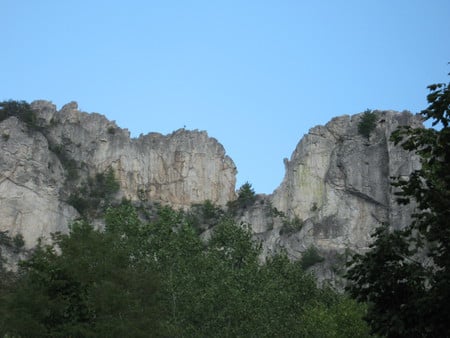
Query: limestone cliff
x=336 y=189
x=31 y=179
x=179 y=169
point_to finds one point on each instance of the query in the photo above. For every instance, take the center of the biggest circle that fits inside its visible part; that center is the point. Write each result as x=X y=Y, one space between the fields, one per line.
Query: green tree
x=246 y=197
x=159 y=278
x=220 y=288
x=340 y=319
x=86 y=284
x=20 y=109
x=367 y=124
x=6 y=276
x=406 y=275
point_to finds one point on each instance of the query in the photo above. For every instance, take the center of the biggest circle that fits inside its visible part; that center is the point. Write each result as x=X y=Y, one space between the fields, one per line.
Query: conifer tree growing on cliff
x=405 y=277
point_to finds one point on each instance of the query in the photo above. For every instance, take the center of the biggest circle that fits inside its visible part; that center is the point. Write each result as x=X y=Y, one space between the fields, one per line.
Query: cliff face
x=179 y=169
x=337 y=188
x=335 y=192
x=31 y=178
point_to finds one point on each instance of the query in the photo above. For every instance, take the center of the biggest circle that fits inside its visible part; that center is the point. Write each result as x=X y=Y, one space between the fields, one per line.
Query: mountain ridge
x=336 y=188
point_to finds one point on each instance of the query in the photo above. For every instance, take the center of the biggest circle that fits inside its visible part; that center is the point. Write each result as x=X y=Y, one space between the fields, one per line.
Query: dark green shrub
x=204 y=216
x=105 y=184
x=57 y=149
x=20 y=109
x=72 y=170
x=68 y=163
x=368 y=123
x=98 y=189
x=80 y=203
x=5 y=239
x=310 y=257
x=211 y=213
x=274 y=212
x=18 y=242
x=291 y=226
x=297 y=223
x=15 y=243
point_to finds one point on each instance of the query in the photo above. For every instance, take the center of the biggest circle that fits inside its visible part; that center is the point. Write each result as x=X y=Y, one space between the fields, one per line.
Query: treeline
x=154 y=276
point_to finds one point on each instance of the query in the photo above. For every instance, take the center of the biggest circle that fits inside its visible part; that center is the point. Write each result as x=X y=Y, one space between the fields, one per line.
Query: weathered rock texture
x=337 y=186
x=30 y=182
x=179 y=169
x=335 y=192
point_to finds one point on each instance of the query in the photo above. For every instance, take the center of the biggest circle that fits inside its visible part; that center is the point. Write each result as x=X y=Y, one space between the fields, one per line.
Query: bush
x=69 y=164
x=291 y=226
x=20 y=109
x=18 y=242
x=100 y=188
x=310 y=257
x=78 y=202
x=367 y=123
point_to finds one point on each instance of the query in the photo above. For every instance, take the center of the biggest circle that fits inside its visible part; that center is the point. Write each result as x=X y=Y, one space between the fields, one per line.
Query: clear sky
x=255 y=74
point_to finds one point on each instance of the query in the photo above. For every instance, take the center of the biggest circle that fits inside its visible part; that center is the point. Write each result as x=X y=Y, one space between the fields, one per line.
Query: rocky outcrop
x=36 y=165
x=31 y=179
x=337 y=187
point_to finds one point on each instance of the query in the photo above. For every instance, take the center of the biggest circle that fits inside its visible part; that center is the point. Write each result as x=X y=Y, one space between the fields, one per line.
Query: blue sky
x=255 y=74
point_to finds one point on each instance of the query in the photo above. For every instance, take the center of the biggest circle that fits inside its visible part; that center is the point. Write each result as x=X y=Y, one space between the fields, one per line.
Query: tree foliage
x=6 y=276
x=367 y=124
x=20 y=109
x=246 y=198
x=246 y=195
x=85 y=285
x=159 y=278
x=310 y=257
x=97 y=191
x=406 y=275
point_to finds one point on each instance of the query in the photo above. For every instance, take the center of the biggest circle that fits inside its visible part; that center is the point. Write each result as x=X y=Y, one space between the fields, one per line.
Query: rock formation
x=337 y=189
x=335 y=192
x=179 y=169
x=30 y=182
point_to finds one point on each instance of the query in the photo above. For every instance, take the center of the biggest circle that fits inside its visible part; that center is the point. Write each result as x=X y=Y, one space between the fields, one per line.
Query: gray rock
x=31 y=178
x=338 y=183
x=179 y=169
x=336 y=189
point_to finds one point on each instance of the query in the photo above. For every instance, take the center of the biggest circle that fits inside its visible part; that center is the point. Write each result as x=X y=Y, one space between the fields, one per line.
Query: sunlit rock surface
x=179 y=169
x=336 y=189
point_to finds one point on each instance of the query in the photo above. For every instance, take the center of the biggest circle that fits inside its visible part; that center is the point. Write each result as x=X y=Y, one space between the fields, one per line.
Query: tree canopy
x=150 y=274
x=85 y=285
